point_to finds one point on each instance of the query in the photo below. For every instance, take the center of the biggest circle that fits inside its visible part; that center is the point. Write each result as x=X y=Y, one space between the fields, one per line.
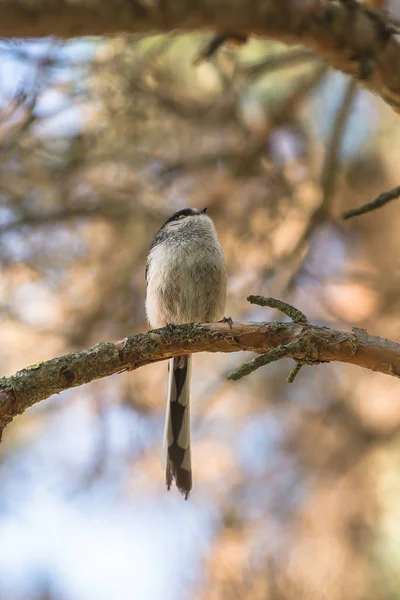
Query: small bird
x=186 y=283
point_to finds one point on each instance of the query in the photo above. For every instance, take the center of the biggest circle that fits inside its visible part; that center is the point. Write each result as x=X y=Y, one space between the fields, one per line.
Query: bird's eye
x=181 y=217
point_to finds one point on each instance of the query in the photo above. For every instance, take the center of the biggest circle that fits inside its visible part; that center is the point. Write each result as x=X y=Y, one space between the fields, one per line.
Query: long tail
x=177 y=459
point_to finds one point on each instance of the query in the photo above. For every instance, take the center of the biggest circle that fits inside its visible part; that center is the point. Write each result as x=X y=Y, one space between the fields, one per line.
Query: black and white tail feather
x=186 y=283
x=177 y=452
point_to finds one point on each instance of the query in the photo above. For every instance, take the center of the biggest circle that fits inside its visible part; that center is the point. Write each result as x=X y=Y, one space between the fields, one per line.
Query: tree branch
x=350 y=36
x=312 y=345
x=378 y=202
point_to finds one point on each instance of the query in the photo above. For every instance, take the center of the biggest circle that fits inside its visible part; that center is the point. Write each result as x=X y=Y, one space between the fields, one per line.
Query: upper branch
x=350 y=36
x=313 y=345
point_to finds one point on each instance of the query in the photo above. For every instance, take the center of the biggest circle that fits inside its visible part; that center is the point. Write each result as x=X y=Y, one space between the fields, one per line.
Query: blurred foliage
x=299 y=485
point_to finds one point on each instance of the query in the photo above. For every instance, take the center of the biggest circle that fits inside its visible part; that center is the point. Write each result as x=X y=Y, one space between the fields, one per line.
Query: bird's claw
x=227 y=320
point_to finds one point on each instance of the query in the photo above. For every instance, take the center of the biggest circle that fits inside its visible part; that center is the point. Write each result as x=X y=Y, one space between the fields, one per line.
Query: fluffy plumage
x=186 y=283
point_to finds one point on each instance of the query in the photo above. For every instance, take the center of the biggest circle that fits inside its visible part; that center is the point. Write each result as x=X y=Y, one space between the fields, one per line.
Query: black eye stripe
x=184 y=212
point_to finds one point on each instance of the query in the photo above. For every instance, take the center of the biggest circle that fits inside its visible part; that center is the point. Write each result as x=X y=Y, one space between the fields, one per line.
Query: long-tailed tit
x=186 y=283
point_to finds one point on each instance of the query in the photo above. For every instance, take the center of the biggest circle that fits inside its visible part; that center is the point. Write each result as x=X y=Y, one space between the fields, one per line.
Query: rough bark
x=315 y=345
x=351 y=37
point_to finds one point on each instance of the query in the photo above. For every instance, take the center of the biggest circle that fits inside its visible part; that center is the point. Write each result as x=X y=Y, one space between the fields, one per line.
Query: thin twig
x=381 y=200
x=283 y=351
x=294 y=372
x=293 y=313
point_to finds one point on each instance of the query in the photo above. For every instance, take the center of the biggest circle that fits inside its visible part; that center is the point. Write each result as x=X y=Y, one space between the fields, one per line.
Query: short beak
x=203 y=210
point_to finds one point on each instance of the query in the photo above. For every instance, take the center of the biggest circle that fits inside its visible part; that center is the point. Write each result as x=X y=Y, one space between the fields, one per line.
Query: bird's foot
x=227 y=320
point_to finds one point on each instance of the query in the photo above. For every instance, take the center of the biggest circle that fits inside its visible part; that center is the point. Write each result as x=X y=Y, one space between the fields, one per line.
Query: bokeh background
x=296 y=487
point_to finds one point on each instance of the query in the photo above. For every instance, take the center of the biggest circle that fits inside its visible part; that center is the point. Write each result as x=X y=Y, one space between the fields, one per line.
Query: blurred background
x=296 y=487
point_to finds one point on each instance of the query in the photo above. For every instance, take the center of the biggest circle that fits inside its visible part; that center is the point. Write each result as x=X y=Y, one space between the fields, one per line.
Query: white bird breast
x=186 y=275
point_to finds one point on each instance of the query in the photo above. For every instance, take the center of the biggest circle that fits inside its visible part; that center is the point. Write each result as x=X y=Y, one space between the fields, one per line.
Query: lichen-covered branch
x=313 y=345
x=350 y=36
